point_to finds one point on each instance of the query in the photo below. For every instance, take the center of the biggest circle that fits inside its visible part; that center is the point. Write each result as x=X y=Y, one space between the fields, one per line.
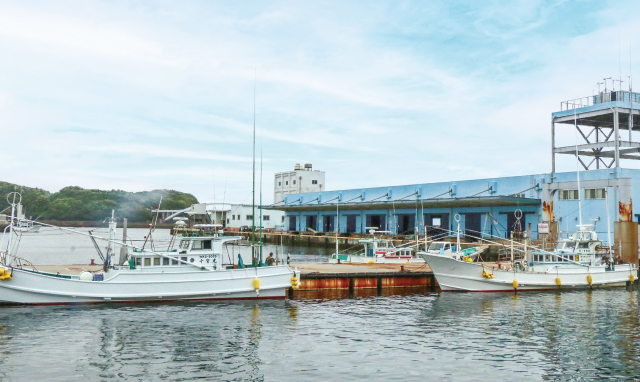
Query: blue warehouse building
x=485 y=205
x=488 y=206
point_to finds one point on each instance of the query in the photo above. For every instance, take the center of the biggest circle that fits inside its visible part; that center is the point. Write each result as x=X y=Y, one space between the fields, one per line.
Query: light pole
x=337 y=223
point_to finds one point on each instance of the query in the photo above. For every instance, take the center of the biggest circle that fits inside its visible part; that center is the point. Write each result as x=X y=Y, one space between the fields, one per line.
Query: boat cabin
x=582 y=247
x=202 y=251
x=381 y=247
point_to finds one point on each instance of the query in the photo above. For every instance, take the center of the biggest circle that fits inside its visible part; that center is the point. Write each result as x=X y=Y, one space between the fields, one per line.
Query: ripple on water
x=530 y=336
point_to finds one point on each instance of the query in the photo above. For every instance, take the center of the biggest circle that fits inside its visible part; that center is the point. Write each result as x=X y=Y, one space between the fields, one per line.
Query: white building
x=240 y=216
x=297 y=181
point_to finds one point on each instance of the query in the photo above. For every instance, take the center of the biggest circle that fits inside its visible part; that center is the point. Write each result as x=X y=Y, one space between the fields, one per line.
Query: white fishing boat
x=575 y=263
x=195 y=270
x=459 y=275
x=378 y=251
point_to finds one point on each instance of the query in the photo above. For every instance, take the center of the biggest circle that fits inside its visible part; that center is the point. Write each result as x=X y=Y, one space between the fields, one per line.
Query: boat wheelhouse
x=582 y=247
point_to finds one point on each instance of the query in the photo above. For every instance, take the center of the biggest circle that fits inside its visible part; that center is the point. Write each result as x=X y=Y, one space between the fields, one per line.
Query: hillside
x=79 y=204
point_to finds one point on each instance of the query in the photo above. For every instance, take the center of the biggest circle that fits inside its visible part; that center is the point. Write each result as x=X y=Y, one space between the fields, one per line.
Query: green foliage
x=75 y=203
x=36 y=199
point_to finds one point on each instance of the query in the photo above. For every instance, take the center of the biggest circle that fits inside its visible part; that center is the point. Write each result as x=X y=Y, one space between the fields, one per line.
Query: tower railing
x=602 y=97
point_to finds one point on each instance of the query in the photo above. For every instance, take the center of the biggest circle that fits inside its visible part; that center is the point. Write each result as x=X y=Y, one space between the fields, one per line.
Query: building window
x=286 y=183
x=249 y=217
x=594 y=193
x=279 y=183
x=294 y=182
x=283 y=218
x=568 y=195
x=265 y=217
x=227 y=220
x=233 y=217
x=314 y=182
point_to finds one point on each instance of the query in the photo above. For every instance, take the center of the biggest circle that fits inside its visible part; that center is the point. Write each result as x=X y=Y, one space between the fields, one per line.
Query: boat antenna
x=260 y=261
x=13 y=207
x=253 y=193
x=224 y=194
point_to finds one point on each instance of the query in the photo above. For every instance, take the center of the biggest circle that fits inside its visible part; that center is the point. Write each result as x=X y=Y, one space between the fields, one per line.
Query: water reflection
x=331 y=336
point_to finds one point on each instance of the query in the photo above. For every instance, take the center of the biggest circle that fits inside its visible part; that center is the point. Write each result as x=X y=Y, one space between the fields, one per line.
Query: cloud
x=161 y=95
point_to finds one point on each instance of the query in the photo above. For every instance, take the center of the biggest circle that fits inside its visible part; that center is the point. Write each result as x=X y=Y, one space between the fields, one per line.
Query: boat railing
x=13 y=261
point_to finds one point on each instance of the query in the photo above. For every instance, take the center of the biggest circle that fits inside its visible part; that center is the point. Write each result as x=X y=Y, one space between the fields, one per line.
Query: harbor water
x=403 y=335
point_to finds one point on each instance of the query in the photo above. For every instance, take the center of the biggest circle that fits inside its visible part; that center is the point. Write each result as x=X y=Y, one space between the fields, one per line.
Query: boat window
x=583 y=245
x=165 y=261
x=156 y=261
x=183 y=259
x=138 y=261
x=436 y=246
x=184 y=244
x=571 y=257
x=147 y=261
x=174 y=262
x=197 y=245
x=570 y=245
x=206 y=244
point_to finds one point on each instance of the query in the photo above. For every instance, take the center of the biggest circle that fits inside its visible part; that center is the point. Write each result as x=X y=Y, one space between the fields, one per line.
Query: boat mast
x=457 y=219
x=253 y=192
x=13 y=205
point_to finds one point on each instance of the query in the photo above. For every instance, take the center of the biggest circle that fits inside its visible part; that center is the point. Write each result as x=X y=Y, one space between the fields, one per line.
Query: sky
x=142 y=95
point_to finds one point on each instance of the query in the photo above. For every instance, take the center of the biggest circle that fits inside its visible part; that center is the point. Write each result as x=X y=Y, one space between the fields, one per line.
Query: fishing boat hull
x=455 y=275
x=27 y=287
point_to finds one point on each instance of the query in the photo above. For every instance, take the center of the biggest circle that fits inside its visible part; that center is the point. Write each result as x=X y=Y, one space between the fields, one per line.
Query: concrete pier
x=351 y=277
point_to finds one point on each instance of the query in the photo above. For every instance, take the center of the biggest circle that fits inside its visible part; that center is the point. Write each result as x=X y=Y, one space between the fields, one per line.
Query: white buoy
x=86 y=276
